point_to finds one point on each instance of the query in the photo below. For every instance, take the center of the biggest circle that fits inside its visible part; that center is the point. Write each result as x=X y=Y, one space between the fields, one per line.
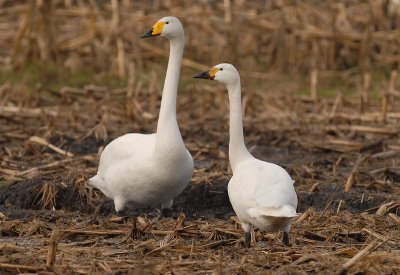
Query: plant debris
x=343 y=152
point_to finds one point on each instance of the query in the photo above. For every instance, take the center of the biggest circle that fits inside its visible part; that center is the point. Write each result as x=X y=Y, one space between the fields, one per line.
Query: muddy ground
x=45 y=208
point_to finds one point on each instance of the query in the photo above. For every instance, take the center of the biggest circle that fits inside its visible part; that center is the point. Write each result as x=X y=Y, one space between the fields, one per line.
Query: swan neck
x=167 y=127
x=237 y=148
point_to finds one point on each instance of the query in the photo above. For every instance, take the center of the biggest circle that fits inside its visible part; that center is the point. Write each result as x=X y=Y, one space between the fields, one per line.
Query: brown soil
x=203 y=235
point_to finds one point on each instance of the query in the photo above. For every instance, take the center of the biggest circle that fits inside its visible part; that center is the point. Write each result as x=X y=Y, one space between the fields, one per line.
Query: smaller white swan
x=145 y=170
x=261 y=193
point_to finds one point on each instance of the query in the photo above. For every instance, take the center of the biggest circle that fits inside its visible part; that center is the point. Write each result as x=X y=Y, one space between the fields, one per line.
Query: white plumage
x=261 y=193
x=150 y=169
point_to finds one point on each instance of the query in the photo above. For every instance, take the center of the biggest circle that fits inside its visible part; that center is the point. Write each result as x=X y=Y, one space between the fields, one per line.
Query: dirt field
x=317 y=150
x=342 y=150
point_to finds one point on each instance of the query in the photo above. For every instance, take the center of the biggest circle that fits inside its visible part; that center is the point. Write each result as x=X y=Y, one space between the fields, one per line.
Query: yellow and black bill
x=156 y=30
x=208 y=74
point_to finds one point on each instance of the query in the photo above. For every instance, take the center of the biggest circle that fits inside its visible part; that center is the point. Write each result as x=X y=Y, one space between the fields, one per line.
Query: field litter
x=44 y=190
x=342 y=151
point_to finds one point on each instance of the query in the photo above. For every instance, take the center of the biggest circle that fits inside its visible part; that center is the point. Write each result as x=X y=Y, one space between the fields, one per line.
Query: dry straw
x=49 y=145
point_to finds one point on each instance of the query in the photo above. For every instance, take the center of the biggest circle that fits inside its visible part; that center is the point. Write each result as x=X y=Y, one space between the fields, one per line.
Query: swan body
x=261 y=193
x=149 y=169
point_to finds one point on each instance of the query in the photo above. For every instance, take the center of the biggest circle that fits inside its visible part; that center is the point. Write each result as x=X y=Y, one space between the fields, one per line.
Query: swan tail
x=272 y=211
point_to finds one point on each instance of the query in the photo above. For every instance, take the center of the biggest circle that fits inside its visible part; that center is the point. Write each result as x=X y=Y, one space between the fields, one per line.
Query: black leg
x=166 y=213
x=285 y=239
x=166 y=209
x=122 y=213
x=247 y=239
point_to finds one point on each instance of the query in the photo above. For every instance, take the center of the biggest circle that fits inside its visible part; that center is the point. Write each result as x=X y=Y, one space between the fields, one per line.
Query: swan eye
x=167 y=22
x=221 y=69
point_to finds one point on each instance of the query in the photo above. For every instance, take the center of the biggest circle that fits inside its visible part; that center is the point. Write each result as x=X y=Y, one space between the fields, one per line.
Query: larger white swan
x=261 y=193
x=150 y=169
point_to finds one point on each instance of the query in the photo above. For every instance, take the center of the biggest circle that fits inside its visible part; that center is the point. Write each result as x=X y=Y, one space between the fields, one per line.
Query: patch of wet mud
x=195 y=201
x=28 y=195
x=204 y=199
x=329 y=196
x=21 y=195
x=23 y=198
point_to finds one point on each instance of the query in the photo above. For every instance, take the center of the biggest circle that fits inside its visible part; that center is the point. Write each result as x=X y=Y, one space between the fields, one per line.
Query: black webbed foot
x=285 y=239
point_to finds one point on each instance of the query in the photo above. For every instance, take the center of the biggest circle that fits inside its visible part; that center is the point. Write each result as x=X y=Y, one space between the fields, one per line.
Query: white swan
x=150 y=169
x=261 y=193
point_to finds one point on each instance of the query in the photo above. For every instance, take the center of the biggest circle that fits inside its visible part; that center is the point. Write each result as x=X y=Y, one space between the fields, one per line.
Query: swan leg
x=285 y=238
x=122 y=213
x=166 y=209
x=247 y=234
x=247 y=239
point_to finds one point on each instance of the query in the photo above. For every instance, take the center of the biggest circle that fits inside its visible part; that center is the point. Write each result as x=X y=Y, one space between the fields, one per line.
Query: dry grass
x=325 y=243
x=319 y=150
x=280 y=35
x=343 y=152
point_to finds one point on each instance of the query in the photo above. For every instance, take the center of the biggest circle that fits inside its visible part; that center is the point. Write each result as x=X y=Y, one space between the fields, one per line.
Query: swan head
x=224 y=73
x=169 y=26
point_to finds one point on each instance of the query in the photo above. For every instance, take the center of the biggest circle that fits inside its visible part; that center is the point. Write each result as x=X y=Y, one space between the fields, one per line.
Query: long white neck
x=237 y=149
x=167 y=127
